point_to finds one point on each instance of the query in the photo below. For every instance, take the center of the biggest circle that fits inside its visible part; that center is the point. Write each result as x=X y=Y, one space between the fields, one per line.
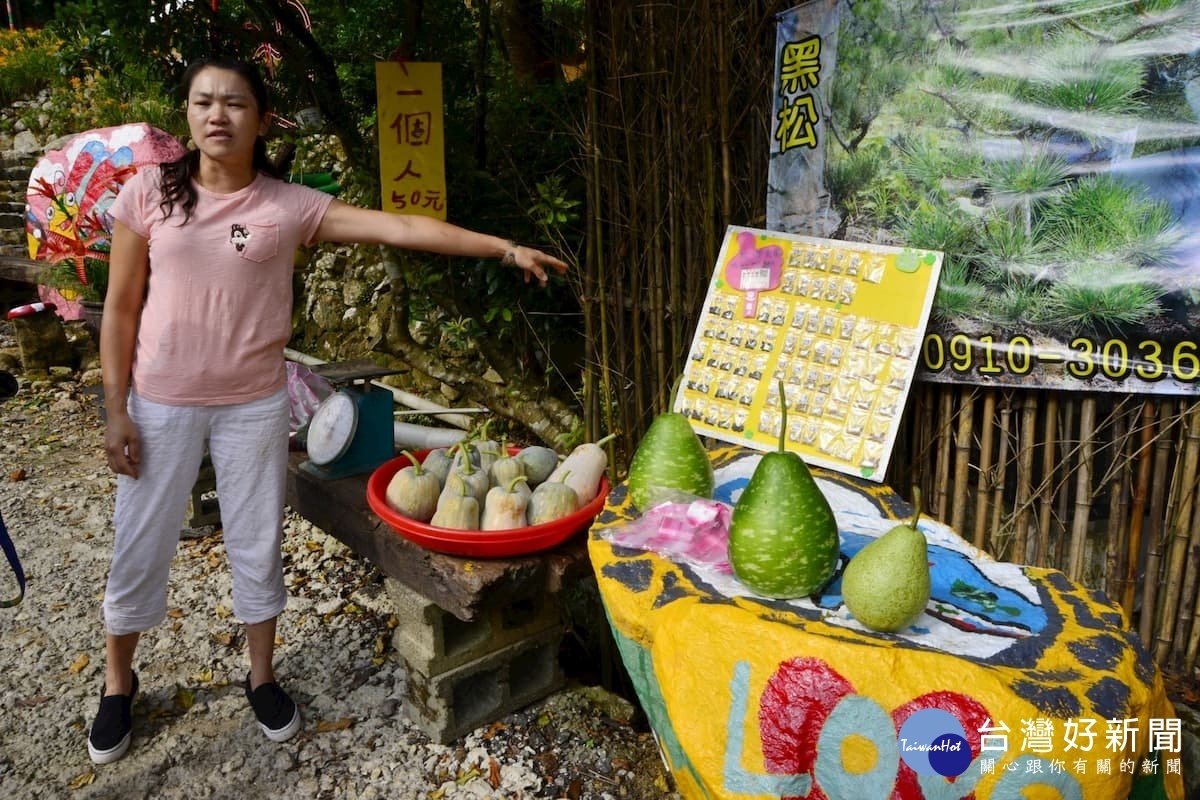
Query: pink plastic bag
x=695 y=532
x=306 y=390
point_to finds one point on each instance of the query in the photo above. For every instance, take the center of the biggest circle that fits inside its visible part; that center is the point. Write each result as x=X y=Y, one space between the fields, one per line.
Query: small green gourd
x=483 y=451
x=456 y=509
x=505 y=468
x=552 y=500
x=539 y=463
x=582 y=469
x=488 y=452
x=505 y=507
x=439 y=461
x=474 y=477
x=413 y=491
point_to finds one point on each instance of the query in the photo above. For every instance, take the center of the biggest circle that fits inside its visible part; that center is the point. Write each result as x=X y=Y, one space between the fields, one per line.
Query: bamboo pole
x=962 y=461
x=985 y=468
x=1062 y=500
x=1024 y=498
x=926 y=432
x=1137 y=512
x=1177 y=554
x=1045 y=492
x=1158 y=511
x=1187 y=592
x=1083 y=491
x=1189 y=595
x=998 y=547
x=1118 y=504
x=942 y=473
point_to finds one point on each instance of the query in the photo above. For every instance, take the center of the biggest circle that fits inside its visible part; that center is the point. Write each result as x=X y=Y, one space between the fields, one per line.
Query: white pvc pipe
x=456 y=417
x=424 y=437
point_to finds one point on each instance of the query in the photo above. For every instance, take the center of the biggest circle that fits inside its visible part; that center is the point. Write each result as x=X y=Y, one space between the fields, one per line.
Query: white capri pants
x=248 y=445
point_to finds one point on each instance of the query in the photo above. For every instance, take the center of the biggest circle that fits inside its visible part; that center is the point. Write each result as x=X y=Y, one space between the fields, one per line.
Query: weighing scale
x=351 y=432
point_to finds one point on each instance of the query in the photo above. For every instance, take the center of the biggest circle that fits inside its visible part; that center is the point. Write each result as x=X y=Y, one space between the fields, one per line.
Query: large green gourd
x=783 y=537
x=670 y=464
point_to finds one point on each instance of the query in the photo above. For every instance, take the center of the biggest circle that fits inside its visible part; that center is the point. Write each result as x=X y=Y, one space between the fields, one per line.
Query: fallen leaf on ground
x=493 y=729
x=184 y=699
x=328 y=725
x=79 y=781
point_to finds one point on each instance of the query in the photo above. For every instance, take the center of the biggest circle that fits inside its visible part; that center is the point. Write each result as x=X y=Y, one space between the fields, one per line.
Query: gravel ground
x=194 y=734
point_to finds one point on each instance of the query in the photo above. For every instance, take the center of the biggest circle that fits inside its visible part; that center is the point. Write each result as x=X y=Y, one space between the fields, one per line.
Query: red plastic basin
x=477 y=544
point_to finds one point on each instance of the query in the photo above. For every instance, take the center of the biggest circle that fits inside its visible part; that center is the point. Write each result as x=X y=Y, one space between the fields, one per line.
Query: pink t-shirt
x=219 y=298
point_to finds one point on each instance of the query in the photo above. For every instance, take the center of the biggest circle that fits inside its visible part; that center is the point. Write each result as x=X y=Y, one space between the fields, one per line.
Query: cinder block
x=458 y=701
x=433 y=640
x=203 y=508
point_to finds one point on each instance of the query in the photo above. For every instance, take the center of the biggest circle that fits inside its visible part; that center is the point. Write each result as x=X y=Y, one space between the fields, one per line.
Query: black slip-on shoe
x=113 y=727
x=277 y=714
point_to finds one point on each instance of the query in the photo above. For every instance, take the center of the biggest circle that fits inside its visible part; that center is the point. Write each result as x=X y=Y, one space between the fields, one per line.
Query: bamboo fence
x=1100 y=486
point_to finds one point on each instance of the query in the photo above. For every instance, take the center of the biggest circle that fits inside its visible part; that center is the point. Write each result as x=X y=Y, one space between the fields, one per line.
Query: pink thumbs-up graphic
x=754 y=270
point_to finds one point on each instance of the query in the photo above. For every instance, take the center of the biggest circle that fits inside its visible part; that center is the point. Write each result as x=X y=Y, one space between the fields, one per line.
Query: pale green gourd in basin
x=886 y=585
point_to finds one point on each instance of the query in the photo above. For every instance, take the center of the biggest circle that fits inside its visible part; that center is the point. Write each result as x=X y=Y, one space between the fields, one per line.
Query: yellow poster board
x=412 y=163
x=839 y=323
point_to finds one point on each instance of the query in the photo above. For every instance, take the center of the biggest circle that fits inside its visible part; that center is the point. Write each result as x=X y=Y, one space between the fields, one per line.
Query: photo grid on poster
x=839 y=323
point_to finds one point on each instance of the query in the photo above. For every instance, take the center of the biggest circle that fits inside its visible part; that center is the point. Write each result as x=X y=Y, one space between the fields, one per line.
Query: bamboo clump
x=1100 y=486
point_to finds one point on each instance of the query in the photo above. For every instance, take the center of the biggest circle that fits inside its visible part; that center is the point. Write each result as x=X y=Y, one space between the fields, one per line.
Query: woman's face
x=222 y=115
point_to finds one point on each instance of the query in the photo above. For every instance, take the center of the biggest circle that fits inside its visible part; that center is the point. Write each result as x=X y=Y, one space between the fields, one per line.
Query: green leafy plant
x=28 y=63
x=63 y=276
x=553 y=208
x=1100 y=295
x=957 y=295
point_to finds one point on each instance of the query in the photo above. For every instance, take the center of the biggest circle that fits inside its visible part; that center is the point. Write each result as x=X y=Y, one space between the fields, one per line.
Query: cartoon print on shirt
x=239 y=235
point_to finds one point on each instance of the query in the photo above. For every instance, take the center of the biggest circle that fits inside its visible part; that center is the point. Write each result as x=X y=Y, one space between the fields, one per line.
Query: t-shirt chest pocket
x=255 y=241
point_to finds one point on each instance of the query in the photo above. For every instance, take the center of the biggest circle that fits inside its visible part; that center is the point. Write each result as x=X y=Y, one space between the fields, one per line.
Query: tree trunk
x=510 y=397
x=527 y=44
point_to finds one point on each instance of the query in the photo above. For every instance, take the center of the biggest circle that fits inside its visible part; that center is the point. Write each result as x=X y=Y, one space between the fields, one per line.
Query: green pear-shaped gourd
x=670 y=463
x=505 y=468
x=783 y=536
x=413 y=491
x=886 y=584
x=539 y=463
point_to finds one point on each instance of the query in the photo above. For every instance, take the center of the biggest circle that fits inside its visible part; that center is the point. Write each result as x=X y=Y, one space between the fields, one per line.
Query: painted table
x=1014 y=683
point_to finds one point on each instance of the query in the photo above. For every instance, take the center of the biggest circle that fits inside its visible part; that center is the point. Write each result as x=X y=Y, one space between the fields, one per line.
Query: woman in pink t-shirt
x=197 y=314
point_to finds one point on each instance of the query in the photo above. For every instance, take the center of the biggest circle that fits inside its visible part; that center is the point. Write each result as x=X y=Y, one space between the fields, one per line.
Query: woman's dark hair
x=177 y=175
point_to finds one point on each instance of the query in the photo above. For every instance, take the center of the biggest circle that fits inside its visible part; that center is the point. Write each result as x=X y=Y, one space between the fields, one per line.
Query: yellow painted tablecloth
x=757 y=698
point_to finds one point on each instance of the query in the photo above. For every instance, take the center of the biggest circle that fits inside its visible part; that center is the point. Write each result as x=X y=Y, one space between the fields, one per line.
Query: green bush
x=28 y=63
x=84 y=92
x=97 y=100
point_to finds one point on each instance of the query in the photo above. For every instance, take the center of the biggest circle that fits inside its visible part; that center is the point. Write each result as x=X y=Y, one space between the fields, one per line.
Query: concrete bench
x=18 y=280
x=16 y=269
x=480 y=637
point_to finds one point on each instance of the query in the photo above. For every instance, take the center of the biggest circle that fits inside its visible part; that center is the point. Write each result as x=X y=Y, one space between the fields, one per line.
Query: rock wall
x=15 y=166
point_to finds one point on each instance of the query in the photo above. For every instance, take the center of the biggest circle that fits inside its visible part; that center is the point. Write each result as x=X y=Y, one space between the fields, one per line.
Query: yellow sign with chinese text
x=838 y=323
x=412 y=163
